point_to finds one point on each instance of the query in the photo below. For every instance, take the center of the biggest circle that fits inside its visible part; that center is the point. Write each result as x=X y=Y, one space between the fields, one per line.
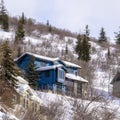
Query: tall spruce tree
x=66 y=50
x=87 y=31
x=86 y=49
x=83 y=48
x=117 y=37
x=4 y=18
x=108 y=53
x=78 y=47
x=23 y=18
x=31 y=74
x=102 y=37
x=9 y=68
x=20 y=33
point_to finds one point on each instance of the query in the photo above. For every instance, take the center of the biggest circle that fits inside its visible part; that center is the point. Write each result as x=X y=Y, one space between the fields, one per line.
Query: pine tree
x=78 y=47
x=87 y=31
x=5 y=24
x=20 y=33
x=23 y=18
x=83 y=48
x=66 y=49
x=9 y=69
x=31 y=74
x=4 y=19
x=102 y=37
x=86 y=49
x=47 y=23
x=117 y=37
x=108 y=53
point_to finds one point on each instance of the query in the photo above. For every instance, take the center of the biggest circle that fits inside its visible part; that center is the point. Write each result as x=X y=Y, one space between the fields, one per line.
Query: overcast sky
x=71 y=14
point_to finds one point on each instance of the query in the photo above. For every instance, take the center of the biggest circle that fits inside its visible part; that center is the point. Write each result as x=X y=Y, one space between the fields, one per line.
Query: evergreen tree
x=87 y=31
x=5 y=24
x=23 y=18
x=83 y=48
x=102 y=37
x=78 y=47
x=86 y=49
x=31 y=74
x=117 y=37
x=9 y=69
x=66 y=49
x=47 y=23
x=108 y=53
x=4 y=19
x=20 y=33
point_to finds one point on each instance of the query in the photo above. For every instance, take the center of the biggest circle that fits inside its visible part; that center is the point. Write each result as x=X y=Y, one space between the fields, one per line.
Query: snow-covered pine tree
x=8 y=67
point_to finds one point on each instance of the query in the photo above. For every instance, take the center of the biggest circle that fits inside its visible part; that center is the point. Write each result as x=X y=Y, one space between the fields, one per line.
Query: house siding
x=46 y=82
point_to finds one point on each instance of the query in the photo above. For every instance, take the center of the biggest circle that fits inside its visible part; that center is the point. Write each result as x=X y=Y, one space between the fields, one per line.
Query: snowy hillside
x=103 y=69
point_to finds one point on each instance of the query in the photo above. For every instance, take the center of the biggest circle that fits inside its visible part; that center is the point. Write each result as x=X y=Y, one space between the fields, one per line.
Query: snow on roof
x=74 y=77
x=71 y=64
x=49 y=67
x=38 y=56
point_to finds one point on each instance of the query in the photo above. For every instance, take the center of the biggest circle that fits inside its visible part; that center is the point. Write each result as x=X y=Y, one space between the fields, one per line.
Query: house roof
x=71 y=64
x=116 y=77
x=37 y=56
x=49 y=67
x=74 y=77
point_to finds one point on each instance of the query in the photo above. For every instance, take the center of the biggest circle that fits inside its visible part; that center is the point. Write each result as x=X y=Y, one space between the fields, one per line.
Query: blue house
x=55 y=75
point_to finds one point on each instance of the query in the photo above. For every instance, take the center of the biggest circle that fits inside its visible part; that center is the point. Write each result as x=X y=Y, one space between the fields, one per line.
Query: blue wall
x=48 y=80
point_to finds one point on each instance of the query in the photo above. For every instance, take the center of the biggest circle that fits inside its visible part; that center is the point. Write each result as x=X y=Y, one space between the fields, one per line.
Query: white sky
x=71 y=14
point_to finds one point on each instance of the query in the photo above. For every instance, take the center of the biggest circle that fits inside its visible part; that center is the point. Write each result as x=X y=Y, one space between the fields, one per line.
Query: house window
x=61 y=74
x=70 y=70
x=43 y=64
x=47 y=74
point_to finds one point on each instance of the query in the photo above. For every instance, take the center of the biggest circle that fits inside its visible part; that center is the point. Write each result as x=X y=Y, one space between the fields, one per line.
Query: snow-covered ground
x=7 y=116
x=102 y=79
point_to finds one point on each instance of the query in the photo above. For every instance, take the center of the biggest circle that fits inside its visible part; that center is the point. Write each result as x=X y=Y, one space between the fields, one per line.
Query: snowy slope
x=53 y=45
